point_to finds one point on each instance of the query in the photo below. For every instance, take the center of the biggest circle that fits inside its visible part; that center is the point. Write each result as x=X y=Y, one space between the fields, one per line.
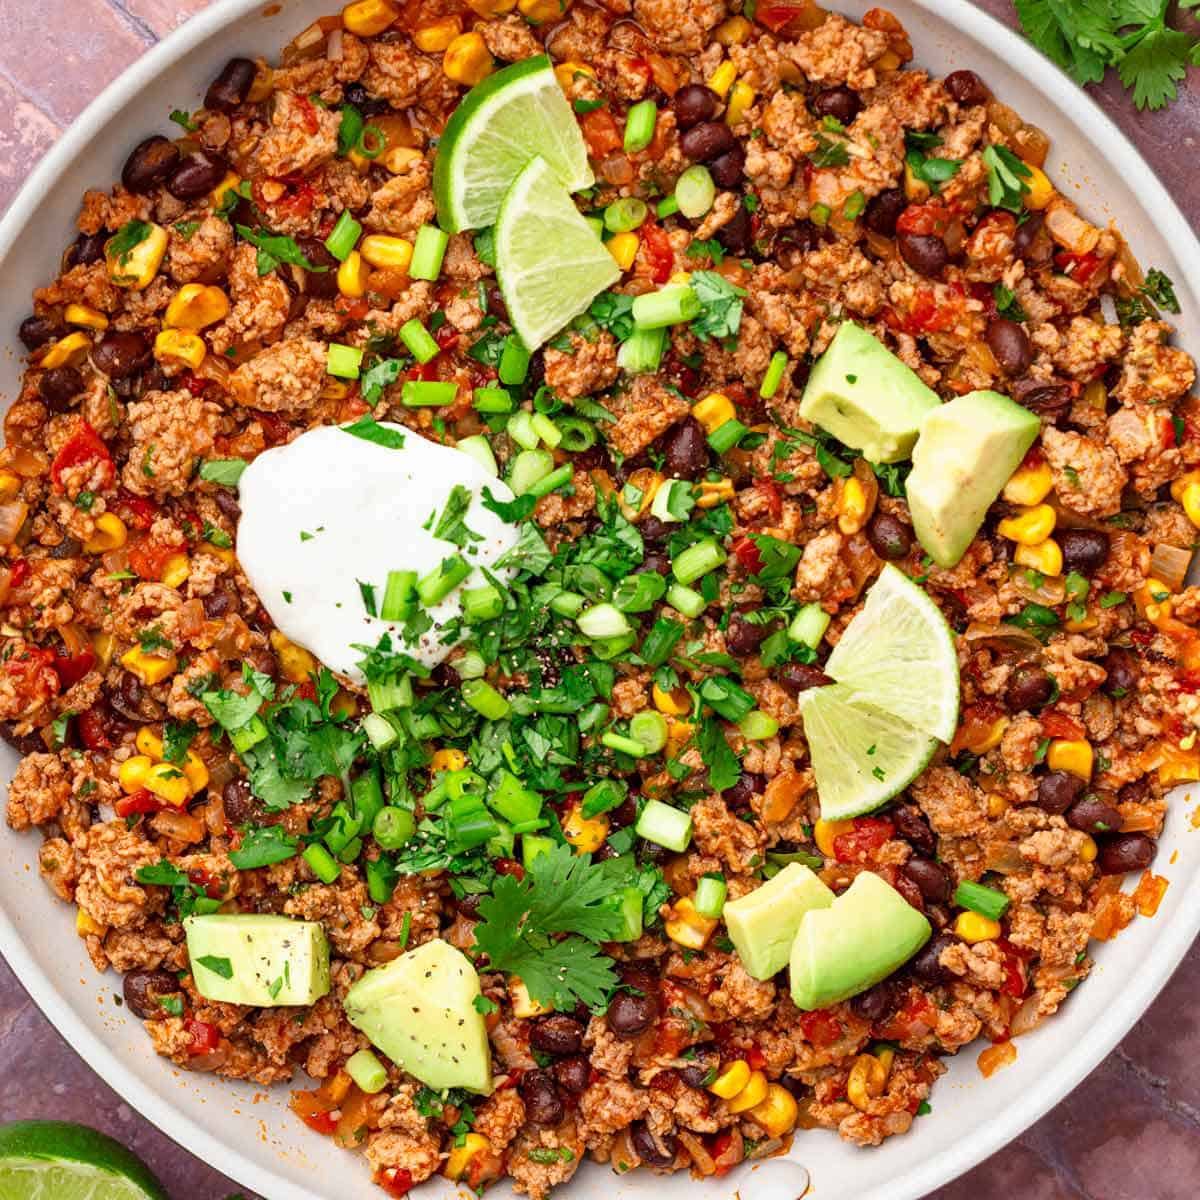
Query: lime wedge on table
x=52 y=1160
x=549 y=261
x=861 y=755
x=500 y=125
x=898 y=655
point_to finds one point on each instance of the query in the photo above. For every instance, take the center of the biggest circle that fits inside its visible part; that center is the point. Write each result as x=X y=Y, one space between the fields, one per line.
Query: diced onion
x=1170 y=564
x=12 y=517
x=1027 y=1018
x=333 y=50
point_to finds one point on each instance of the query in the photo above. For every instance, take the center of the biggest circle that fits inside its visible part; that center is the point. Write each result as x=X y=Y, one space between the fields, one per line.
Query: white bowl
x=249 y=1134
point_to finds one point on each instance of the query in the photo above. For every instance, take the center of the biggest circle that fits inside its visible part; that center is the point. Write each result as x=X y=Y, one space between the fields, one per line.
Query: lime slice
x=500 y=125
x=52 y=1160
x=549 y=261
x=898 y=655
x=861 y=755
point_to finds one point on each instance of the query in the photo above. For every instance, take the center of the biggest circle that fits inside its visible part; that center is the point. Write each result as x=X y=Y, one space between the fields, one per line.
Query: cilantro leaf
x=724 y=770
x=126 y=239
x=177 y=737
x=379 y=375
x=225 y=471
x=720 y=306
x=1155 y=65
x=614 y=312
x=370 y=430
x=512 y=511
x=263 y=847
x=276 y=248
x=1159 y=289
x=452 y=526
x=530 y=554
x=1006 y=178
x=218 y=966
x=830 y=152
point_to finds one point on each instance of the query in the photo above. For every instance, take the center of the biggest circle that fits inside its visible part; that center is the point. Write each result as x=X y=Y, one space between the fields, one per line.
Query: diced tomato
x=308 y=114
x=446 y=337
x=148 y=559
x=777 y=17
x=745 y=550
x=194 y=383
x=924 y=219
x=71 y=668
x=601 y=134
x=34 y=677
x=1015 y=982
x=1059 y=725
x=821 y=1027
x=306 y=691
x=84 y=446
x=755 y=1058
x=861 y=843
x=18 y=572
x=914 y=1020
x=509 y=866
x=321 y=1122
x=136 y=510
x=213 y=888
x=142 y=801
x=396 y=1181
x=660 y=256
x=768 y=489
x=1080 y=267
x=205 y=1037
x=93 y=731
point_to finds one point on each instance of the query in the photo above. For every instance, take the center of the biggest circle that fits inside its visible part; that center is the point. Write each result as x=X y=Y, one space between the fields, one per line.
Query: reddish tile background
x=1130 y=1132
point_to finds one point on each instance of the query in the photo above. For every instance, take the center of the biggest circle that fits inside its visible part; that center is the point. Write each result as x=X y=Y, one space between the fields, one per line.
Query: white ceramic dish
x=249 y=1134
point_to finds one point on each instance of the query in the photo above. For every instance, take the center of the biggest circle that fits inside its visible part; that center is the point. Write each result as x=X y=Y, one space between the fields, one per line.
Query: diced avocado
x=259 y=959
x=866 y=397
x=420 y=1011
x=762 y=924
x=867 y=933
x=967 y=450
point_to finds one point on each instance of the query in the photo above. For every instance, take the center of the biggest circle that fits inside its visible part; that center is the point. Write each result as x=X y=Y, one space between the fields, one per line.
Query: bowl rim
x=1075 y=1063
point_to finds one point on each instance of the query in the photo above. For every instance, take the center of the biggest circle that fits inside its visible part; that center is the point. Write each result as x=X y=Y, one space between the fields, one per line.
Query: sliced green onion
x=478 y=448
x=664 y=826
x=603 y=796
x=367 y=1071
x=988 y=902
x=557 y=478
x=470 y=665
x=343 y=362
x=393 y=827
x=774 y=376
x=546 y=429
x=637 y=593
x=623 y=744
x=528 y=468
x=442 y=580
x=344 y=237
x=390 y=694
x=726 y=697
x=419 y=393
x=757 y=726
x=324 y=866
x=568 y=604
x=520 y=429
x=709 y=900
x=602 y=621
x=514 y=801
x=698 y=560
x=819 y=214
x=606 y=649
x=686 y=600
x=382 y=877
x=534 y=847
x=639 y=125
x=381 y=733
x=493 y=400
x=399 y=596
x=429 y=250
x=649 y=728
x=695 y=191
x=419 y=341
x=855 y=203
x=513 y=366
x=625 y=215
x=661 y=641
x=484 y=699
x=642 y=352
x=482 y=603
x=575 y=434
x=372 y=141
x=808 y=625
x=726 y=436
x=674 y=305
x=366 y=794
x=668 y=207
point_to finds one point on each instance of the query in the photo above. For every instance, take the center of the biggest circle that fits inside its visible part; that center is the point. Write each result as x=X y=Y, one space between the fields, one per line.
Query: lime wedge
x=861 y=755
x=52 y=1160
x=500 y=125
x=898 y=655
x=549 y=261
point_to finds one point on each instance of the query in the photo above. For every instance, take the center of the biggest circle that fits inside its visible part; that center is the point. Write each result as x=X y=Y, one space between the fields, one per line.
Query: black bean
x=1125 y=852
x=468 y=905
x=694 y=103
x=939 y=915
x=1137 y=792
x=1009 y=345
x=793 y=242
x=67 y=548
x=651 y=852
x=1047 y=399
x=966 y=87
x=320 y=284
x=86 y=249
x=926 y=253
x=217 y=604
x=131 y=700
x=1029 y=687
x=144 y=991
x=799 y=677
x=197 y=175
x=708 y=140
x=890 y=538
x=624 y=814
x=368 y=105
x=654 y=1150
x=226 y=501
x=743 y=638
x=558 y=1034
x=685 y=449
x=628 y=1015
x=653 y=530
x=231 y=86
x=737 y=235
x=931 y=877
x=36 y=331
x=841 y=103
x=23 y=743
x=927 y=966
x=1123 y=672
x=543 y=1104
x=698 y=1072
x=1027 y=233
x=573 y=1074
x=119 y=355
x=240 y=803
x=149 y=164
x=59 y=386
x=913 y=826
x=1058 y=791
x=498 y=309
x=657 y=562
x=1083 y=550
x=884 y=211
x=1095 y=813
x=880 y=1001
x=727 y=169
x=748 y=785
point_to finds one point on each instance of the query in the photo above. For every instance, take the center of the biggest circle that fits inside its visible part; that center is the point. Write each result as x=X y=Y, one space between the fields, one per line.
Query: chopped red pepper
x=601 y=134
x=746 y=551
x=18 y=572
x=821 y=1027
x=71 y=668
x=924 y=219
x=136 y=510
x=148 y=559
x=142 y=801
x=84 y=446
x=659 y=253
x=768 y=489
x=396 y=1181
x=35 y=679
x=1059 y=725
x=861 y=843
x=1080 y=267
x=509 y=866
x=93 y=730
x=205 y=1037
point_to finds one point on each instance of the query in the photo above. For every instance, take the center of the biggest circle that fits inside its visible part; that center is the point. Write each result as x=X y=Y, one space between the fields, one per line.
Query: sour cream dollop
x=330 y=514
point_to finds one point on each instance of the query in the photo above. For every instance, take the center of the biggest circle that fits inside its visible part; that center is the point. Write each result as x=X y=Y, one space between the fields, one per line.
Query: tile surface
x=1130 y=1132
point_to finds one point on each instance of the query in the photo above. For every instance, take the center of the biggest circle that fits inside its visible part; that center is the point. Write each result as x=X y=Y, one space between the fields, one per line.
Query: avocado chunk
x=867 y=933
x=866 y=397
x=762 y=924
x=258 y=958
x=967 y=450
x=420 y=1011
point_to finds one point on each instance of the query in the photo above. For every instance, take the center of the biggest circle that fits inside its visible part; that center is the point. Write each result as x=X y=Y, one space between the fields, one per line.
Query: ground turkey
x=171 y=432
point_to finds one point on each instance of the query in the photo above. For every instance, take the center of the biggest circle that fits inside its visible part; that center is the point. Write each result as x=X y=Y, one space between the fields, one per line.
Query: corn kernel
x=523 y=1004
x=66 y=352
x=435 y=37
x=740 y=100
x=671 y=704
x=886 y=1057
x=181 y=346
x=686 y=927
x=392 y=253
x=366 y=18
x=460 y=1158
x=168 y=783
x=980 y=741
x=104 y=645
x=295 y=662
x=679 y=733
x=131 y=774
x=196 y=772
x=1029 y=527
x=1040 y=188
x=624 y=248
x=110 y=534
x=825 y=831
x=733 y=32
x=176 y=570
x=149 y=668
x=136 y=268
x=852 y=506
x=1029 y=486
x=680 y=277
x=721 y=80
x=1095 y=394
x=731 y=1080
x=218 y=194
x=713 y=411
x=196 y=305
x=974 y=927
x=86 y=925
x=352 y=275
x=467 y=59
x=149 y=743
x=1183 y=481
x=1045 y=557
x=567 y=72
x=754 y=1093
x=916 y=190
x=1073 y=755
x=714 y=492
x=491 y=8
x=1089 y=849
x=448 y=760
x=399 y=159
x=867 y=1079
x=997 y=806
x=538 y=11
x=81 y=314
x=778 y=1112
x=10 y=485
x=1191 y=503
